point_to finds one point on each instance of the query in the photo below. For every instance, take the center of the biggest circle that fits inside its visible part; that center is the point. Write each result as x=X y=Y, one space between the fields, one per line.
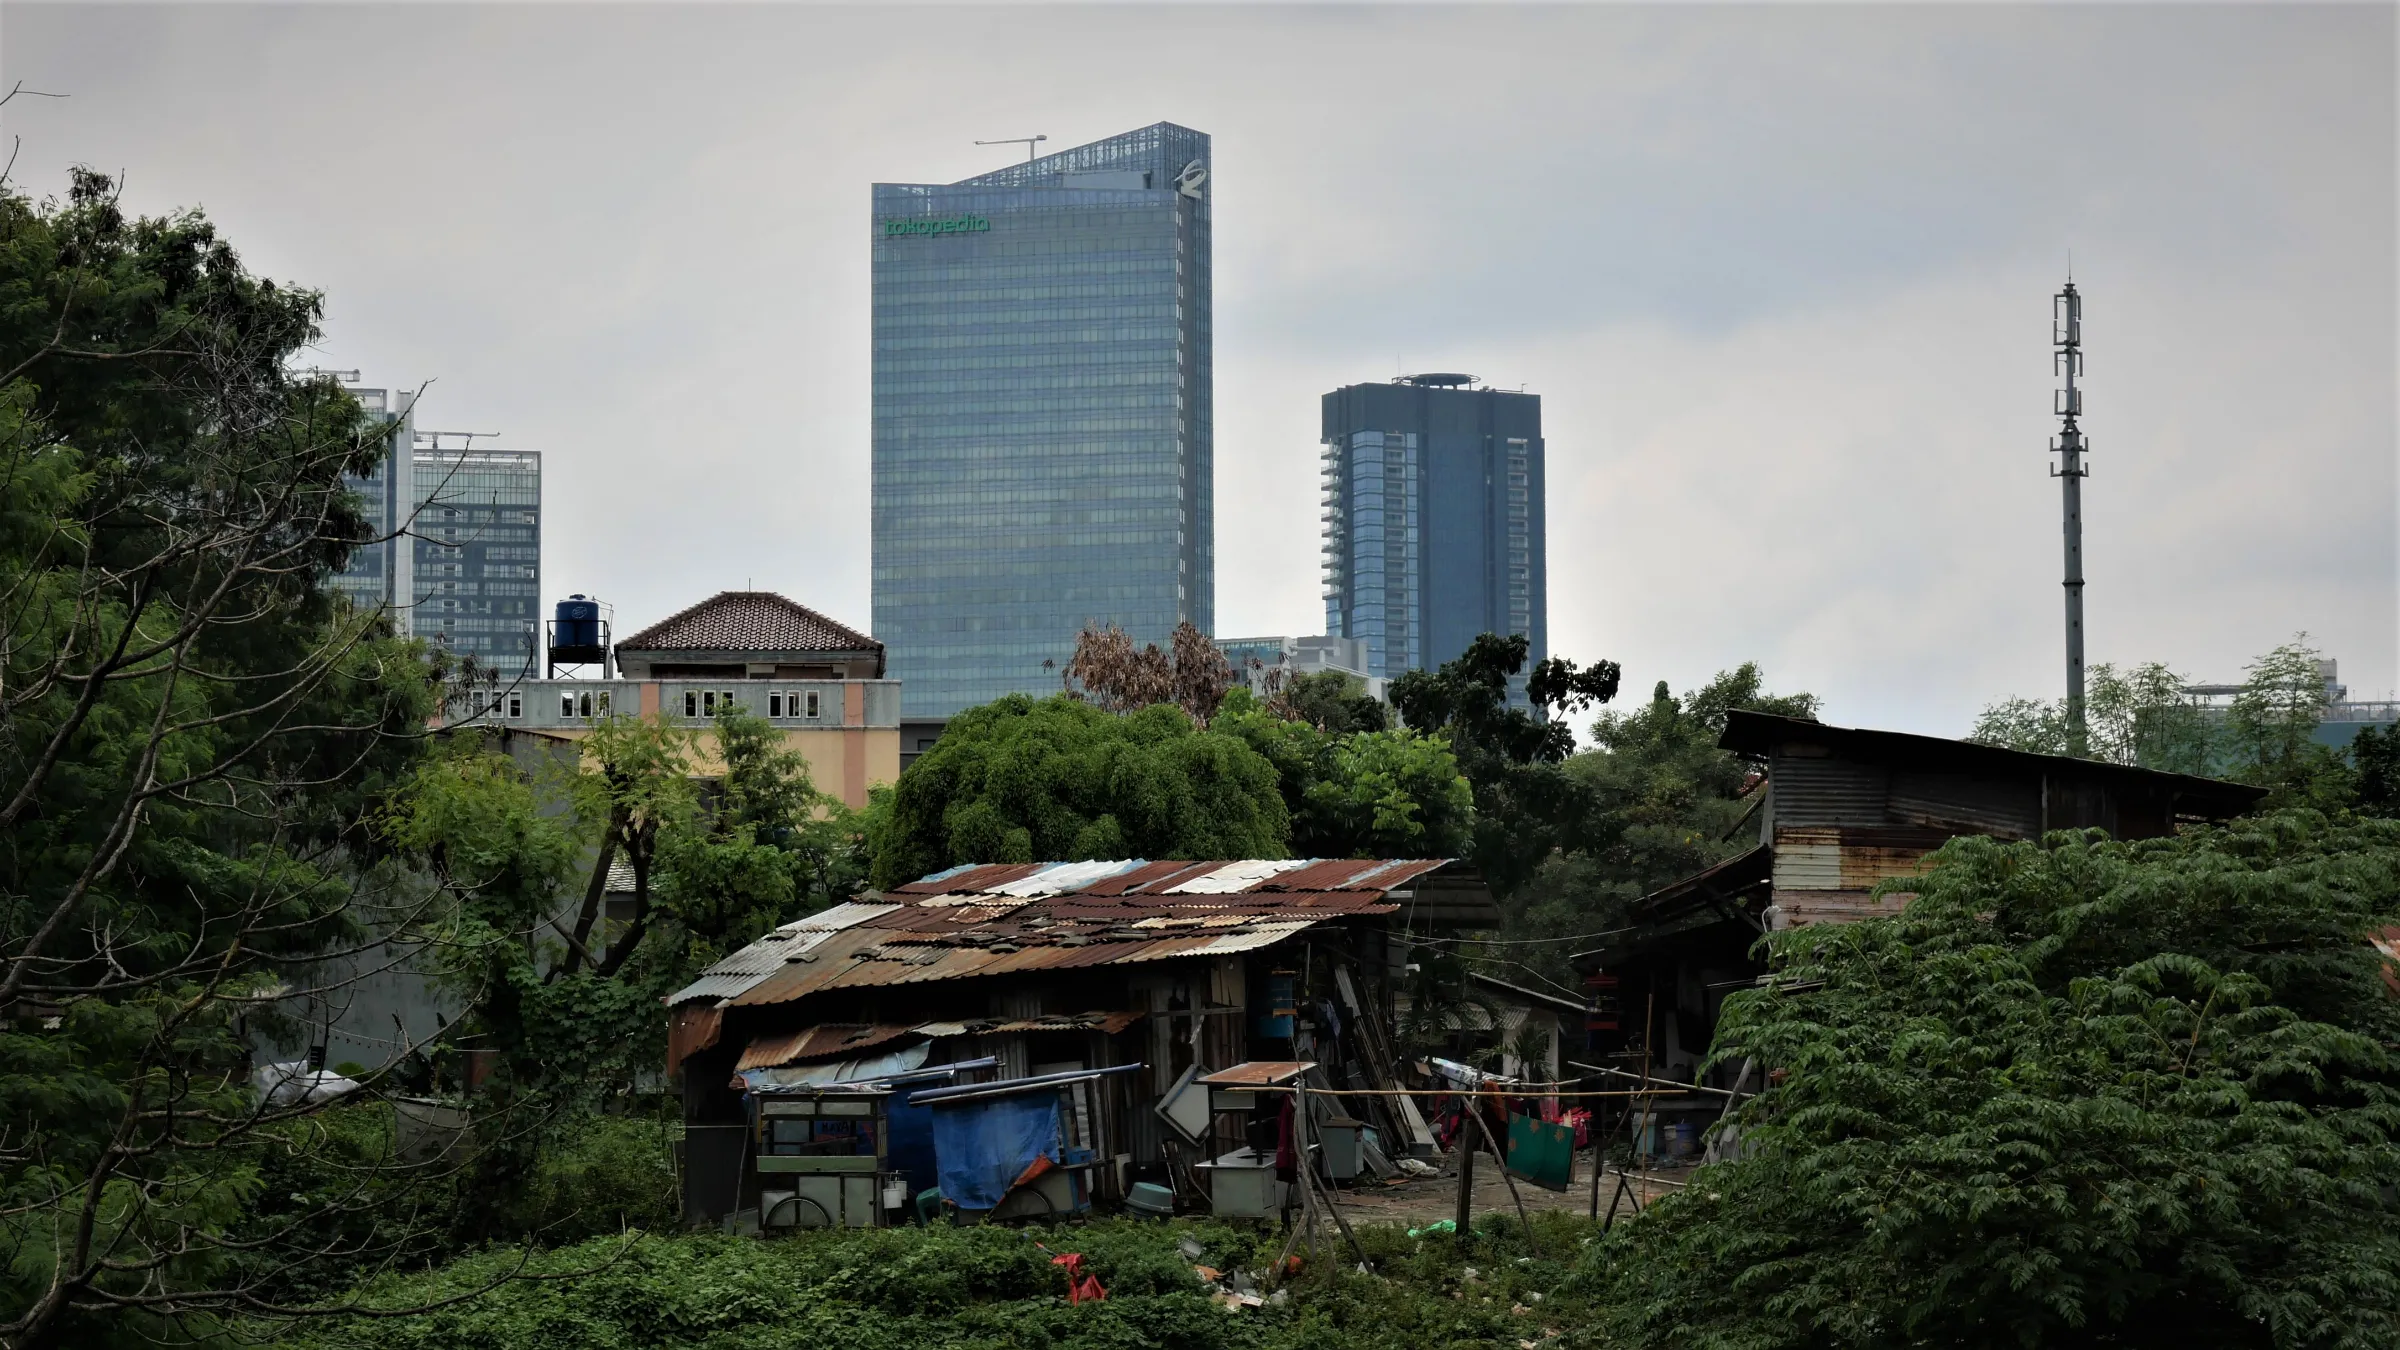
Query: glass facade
x=478 y=554
x=1042 y=426
x=1433 y=520
x=378 y=573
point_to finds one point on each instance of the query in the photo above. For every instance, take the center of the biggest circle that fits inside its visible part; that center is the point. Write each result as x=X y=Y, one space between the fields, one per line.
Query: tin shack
x=1072 y=971
x=1840 y=810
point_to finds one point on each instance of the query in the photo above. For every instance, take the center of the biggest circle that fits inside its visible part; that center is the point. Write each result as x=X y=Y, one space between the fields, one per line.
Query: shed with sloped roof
x=1054 y=966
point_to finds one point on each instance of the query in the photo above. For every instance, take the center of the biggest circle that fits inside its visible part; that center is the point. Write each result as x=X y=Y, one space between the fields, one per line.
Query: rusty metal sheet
x=832 y=1040
x=736 y=973
x=952 y=925
x=692 y=1028
x=820 y=964
x=1146 y=875
x=1354 y=874
x=1258 y=1073
x=976 y=878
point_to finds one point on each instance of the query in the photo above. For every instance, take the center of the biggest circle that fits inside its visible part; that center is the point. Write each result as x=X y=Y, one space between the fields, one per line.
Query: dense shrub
x=604 y=1174
x=2114 y=1093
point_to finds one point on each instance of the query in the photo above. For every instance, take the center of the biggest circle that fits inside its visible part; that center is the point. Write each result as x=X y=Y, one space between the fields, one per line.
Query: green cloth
x=1541 y=1152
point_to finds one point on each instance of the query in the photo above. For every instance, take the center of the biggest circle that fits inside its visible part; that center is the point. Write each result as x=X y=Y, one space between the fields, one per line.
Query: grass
x=917 y=1288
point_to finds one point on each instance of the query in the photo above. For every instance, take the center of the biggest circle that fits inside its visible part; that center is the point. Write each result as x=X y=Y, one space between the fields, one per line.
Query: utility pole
x=1027 y=141
x=2066 y=335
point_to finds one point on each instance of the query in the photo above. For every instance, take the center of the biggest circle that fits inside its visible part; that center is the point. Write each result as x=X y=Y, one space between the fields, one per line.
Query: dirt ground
x=1425 y=1199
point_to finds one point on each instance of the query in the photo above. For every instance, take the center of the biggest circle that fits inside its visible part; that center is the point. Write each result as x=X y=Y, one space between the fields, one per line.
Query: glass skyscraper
x=377 y=576
x=1433 y=519
x=478 y=564
x=1042 y=440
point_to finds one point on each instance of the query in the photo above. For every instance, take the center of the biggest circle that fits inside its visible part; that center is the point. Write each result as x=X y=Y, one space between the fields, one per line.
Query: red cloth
x=1287 y=1151
x=1082 y=1286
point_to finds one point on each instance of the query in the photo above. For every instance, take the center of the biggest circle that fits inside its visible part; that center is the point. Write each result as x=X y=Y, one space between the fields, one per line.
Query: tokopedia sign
x=900 y=225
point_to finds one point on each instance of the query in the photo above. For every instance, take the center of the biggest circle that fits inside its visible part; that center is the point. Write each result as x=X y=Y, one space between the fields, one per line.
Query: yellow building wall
x=845 y=762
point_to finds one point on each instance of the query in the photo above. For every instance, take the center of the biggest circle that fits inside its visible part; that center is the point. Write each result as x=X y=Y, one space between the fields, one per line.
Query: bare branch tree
x=1192 y=673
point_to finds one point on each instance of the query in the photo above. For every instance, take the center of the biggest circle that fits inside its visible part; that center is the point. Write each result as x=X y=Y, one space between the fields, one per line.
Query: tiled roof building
x=753 y=634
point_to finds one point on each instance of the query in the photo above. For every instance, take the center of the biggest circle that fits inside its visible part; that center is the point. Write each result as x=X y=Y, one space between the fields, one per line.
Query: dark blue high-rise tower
x=1433 y=519
x=1042 y=439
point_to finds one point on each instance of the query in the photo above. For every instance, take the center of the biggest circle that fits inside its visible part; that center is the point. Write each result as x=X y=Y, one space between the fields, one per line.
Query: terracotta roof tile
x=749 y=621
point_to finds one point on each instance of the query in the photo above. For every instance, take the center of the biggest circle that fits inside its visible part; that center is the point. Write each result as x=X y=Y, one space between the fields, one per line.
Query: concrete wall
x=850 y=735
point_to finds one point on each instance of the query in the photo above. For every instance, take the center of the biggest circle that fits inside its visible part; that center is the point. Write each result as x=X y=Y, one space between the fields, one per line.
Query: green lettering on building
x=895 y=226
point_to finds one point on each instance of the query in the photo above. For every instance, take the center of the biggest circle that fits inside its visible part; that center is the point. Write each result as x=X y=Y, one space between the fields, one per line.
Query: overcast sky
x=1782 y=277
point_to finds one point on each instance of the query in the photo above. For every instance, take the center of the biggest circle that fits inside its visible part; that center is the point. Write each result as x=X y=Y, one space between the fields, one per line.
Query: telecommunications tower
x=2066 y=335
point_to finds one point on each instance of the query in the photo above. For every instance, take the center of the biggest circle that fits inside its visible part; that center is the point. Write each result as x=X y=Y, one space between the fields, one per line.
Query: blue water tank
x=578 y=623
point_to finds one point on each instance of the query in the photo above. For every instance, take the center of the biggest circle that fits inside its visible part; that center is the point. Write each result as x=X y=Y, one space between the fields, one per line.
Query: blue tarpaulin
x=983 y=1146
x=908 y=1143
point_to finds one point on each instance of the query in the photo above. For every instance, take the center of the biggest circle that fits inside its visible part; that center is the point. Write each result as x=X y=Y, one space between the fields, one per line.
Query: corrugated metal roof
x=842 y=1040
x=796 y=940
x=1146 y=876
x=1234 y=878
x=1008 y=918
x=831 y=1041
x=1259 y=1073
x=971 y=879
x=1059 y=878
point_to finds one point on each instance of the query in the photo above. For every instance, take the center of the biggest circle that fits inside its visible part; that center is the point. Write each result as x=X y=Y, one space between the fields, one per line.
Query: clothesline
x=1673 y=1091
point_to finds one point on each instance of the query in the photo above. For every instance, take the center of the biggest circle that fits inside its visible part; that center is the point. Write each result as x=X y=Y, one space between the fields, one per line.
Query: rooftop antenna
x=2066 y=336
x=1027 y=141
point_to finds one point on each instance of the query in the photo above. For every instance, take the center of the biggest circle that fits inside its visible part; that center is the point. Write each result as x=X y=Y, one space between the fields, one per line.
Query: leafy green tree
x=1361 y=794
x=2144 y=716
x=2080 y=1091
x=1057 y=779
x=2376 y=751
x=1526 y=805
x=192 y=731
x=2139 y=715
x=715 y=860
x=1666 y=802
x=569 y=1006
x=1330 y=700
x=2271 y=728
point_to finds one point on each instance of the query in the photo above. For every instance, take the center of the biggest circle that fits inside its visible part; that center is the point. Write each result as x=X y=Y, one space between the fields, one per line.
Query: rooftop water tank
x=578 y=623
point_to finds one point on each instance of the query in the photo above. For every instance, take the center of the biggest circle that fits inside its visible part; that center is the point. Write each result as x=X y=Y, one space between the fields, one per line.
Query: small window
x=604 y=703
x=584 y=704
x=691 y=703
x=774 y=705
x=708 y=702
x=516 y=706
x=812 y=703
x=566 y=705
x=725 y=700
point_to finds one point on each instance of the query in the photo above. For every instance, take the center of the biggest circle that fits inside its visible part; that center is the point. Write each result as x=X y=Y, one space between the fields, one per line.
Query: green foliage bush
x=598 y=1175
x=1371 y=793
x=1025 y=780
x=918 y=1288
x=2109 y=1093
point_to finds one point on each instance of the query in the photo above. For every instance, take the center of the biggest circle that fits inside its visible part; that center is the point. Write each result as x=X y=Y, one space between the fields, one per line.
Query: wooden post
x=1500 y=1159
x=1599 y=1151
x=1466 y=1179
